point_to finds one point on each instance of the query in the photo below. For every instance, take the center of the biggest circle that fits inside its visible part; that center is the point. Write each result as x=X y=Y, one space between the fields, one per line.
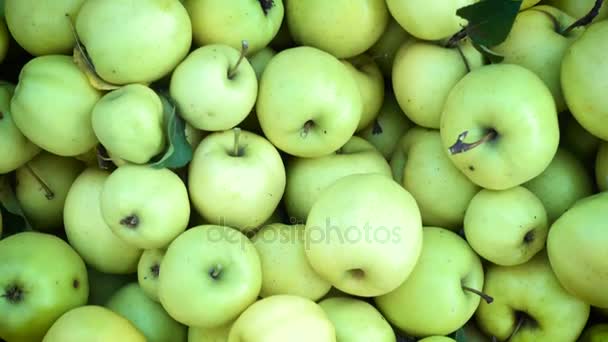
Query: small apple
x=320 y=95
x=215 y=334
x=595 y=333
x=385 y=48
x=148 y=271
x=601 y=167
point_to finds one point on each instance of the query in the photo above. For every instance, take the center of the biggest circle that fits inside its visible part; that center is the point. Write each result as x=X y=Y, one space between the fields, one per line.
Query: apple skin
x=445 y=265
x=56 y=118
x=528 y=3
x=320 y=95
x=583 y=78
x=601 y=167
x=260 y=59
x=307 y=178
x=370 y=81
x=387 y=241
x=148 y=271
x=302 y=321
x=215 y=334
x=386 y=47
x=579 y=8
x=51 y=275
x=595 y=333
x=146 y=42
x=517 y=105
x=344 y=28
x=531 y=292
x=437 y=339
x=581 y=231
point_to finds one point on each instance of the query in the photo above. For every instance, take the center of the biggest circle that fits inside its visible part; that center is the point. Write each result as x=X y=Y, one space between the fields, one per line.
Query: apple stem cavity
x=131 y=221
x=308 y=125
x=266 y=5
x=520 y=323
x=14 y=294
x=483 y=296
x=586 y=19
x=155 y=270
x=48 y=193
x=216 y=271
x=244 y=49
x=236 y=150
x=460 y=146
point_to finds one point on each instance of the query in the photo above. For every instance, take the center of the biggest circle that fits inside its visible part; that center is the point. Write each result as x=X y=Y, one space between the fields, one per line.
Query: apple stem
x=155 y=270
x=494 y=339
x=244 y=49
x=266 y=5
x=376 y=129
x=308 y=125
x=520 y=323
x=216 y=271
x=236 y=149
x=48 y=193
x=13 y=294
x=464 y=59
x=460 y=146
x=131 y=221
x=587 y=18
x=484 y=296
x=456 y=38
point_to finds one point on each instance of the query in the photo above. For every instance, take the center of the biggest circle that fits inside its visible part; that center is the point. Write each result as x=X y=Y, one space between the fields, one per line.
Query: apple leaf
x=179 y=152
x=13 y=218
x=489 y=21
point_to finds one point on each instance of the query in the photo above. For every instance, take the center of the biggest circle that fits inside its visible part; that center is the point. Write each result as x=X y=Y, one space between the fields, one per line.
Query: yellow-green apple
x=344 y=28
x=144 y=206
x=595 y=333
x=581 y=232
x=429 y=20
x=308 y=102
x=583 y=78
x=437 y=338
x=307 y=178
x=563 y=182
x=530 y=304
x=388 y=127
x=15 y=148
x=103 y=285
x=577 y=140
x=41 y=27
x=214 y=334
x=41 y=277
x=448 y=274
x=356 y=320
x=147 y=315
x=370 y=81
x=129 y=122
x=42 y=187
x=225 y=77
x=230 y=21
x=285 y=268
x=220 y=279
x=425 y=72
x=371 y=230
x=87 y=231
x=579 y=8
x=506 y=227
x=147 y=39
x=500 y=125
x=148 y=270
x=236 y=178
x=260 y=59
x=302 y=320
x=422 y=167
x=5 y=39
x=52 y=105
x=601 y=167
x=92 y=323
x=385 y=48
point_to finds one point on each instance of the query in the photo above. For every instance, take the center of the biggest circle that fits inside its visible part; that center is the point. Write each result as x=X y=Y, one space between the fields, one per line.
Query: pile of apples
x=303 y=170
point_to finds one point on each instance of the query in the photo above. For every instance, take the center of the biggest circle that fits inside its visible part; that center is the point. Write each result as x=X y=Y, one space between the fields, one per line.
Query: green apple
x=595 y=333
x=147 y=40
x=42 y=187
x=429 y=20
x=229 y=22
x=506 y=227
x=41 y=27
x=581 y=231
x=227 y=81
x=15 y=148
x=506 y=117
x=388 y=127
x=371 y=230
x=301 y=320
x=578 y=140
x=440 y=295
x=144 y=206
x=370 y=81
x=386 y=47
x=103 y=285
x=425 y=72
x=210 y=275
x=5 y=39
x=87 y=231
x=307 y=178
x=578 y=8
x=344 y=28
x=320 y=95
x=129 y=122
x=215 y=334
x=563 y=182
x=530 y=304
x=52 y=105
x=260 y=59
x=601 y=167
x=236 y=178
x=423 y=167
x=148 y=316
x=285 y=268
x=92 y=323
x=528 y=3
x=148 y=270
x=437 y=339
x=41 y=277
x=357 y=321
x=583 y=78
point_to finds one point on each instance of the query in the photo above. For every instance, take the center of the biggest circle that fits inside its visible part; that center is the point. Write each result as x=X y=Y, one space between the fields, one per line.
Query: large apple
x=601 y=167
x=371 y=230
x=308 y=104
x=500 y=125
x=386 y=47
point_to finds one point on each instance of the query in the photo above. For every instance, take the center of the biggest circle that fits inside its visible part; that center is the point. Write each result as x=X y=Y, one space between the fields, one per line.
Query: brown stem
x=216 y=271
x=587 y=18
x=484 y=296
x=520 y=322
x=244 y=49
x=48 y=193
x=556 y=25
x=464 y=59
x=456 y=38
x=236 y=150
x=460 y=146
x=266 y=5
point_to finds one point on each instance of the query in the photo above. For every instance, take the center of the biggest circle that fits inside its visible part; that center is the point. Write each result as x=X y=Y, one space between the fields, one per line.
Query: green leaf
x=489 y=21
x=179 y=151
x=460 y=336
x=13 y=218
